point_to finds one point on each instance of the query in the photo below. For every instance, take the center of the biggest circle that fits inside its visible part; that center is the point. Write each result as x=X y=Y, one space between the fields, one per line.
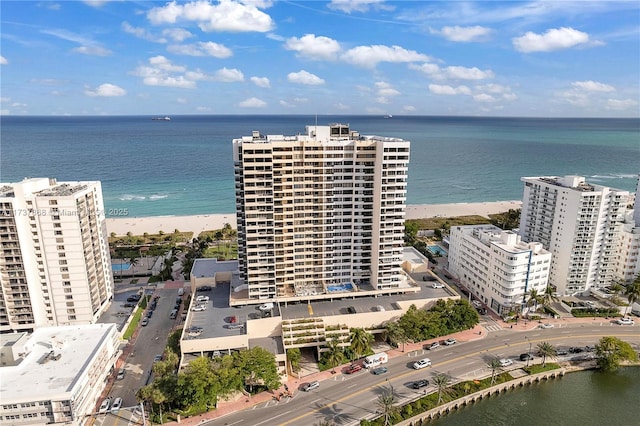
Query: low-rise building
x=496 y=266
x=57 y=374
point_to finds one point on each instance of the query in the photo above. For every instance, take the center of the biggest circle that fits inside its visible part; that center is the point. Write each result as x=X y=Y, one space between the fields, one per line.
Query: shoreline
x=206 y=222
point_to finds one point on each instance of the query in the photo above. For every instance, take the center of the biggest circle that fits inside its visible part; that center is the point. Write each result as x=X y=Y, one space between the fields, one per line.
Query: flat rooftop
x=56 y=358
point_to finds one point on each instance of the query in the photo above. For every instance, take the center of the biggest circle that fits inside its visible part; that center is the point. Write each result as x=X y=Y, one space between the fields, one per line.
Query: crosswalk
x=490 y=326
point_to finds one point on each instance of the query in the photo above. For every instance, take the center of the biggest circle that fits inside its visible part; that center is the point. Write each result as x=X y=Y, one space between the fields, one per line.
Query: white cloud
x=202 y=48
x=553 y=39
x=224 y=16
x=141 y=33
x=620 y=104
x=3 y=60
x=312 y=47
x=592 y=86
x=252 y=103
x=229 y=75
x=385 y=90
x=349 y=6
x=177 y=34
x=260 y=81
x=370 y=56
x=162 y=72
x=182 y=101
x=483 y=97
x=92 y=50
x=439 y=89
x=304 y=77
x=464 y=34
x=105 y=90
x=453 y=72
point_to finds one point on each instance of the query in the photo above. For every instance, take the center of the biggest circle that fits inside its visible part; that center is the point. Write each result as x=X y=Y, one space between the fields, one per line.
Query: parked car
x=379 y=308
x=266 y=306
x=351 y=309
x=202 y=299
x=353 y=368
x=234 y=326
x=121 y=373
x=450 y=341
x=547 y=325
x=437 y=285
x=561 y=352
x=129 y=305
x=157 y=358
x=575 y=350
x=144 y=322
x=422 y=363
x=204 y=288
x=625 y=321
x=526 y=357
x=379 y=370
x=149 y=314
x=420 y=384
x=134 y=298
x=505 y=362
x=308 y=387
x=117 y=403
x=199 y=308
x=434 y=345
x=104 y=407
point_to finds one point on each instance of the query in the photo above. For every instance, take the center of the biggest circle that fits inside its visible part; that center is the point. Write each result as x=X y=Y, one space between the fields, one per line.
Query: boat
x=388 y=116
x=161 y=118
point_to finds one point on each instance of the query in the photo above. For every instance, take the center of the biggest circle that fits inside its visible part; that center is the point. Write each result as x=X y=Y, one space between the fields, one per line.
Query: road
x=348 y=398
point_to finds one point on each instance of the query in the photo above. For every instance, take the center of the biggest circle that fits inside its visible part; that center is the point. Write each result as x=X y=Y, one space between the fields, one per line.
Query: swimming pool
x=121 y=267
x=437 y=250
x=343 y=287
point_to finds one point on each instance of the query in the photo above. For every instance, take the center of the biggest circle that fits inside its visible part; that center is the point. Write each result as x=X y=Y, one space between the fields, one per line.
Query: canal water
x=582 y=398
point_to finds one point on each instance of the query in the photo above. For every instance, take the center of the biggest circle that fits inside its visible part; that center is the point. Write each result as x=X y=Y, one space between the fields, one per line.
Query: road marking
x=381 y=383
x=273 y=417
x=350 y=386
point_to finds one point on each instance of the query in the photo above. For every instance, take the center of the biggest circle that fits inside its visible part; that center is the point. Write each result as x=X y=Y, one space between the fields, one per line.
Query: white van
x=180 y=291
x=375 y=360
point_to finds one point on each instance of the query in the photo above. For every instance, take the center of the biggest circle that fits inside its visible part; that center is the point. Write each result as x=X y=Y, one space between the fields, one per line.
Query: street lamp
x=529 y=353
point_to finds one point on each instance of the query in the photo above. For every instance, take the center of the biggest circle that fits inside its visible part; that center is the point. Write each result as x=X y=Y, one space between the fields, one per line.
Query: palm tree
x=395 y=334
x=546 y=349
x=360 y=341
x=495 y=367
x=442 y=382
x=386 y=405
x=534 y=299
x=633 y=293
x=548 y=296
x=335 y=354
x=133 y=261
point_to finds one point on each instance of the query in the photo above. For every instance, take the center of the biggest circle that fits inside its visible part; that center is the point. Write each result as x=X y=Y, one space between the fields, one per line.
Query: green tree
x=386 y=405
x=258 y=367
x=548 y=296
x=411 y=229
x=495 y=367
x=335 y=354
x=633 y=293
x=395 y=334
x=546 y=350
x=295 y=356
x=534 y=299
x=198 y=384
x=360 y=341
x=441 y=381
x=611 y=351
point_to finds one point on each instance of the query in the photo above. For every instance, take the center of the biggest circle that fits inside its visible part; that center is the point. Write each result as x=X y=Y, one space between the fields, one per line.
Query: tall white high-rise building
x=496 y=266
x=627 y=265
x=55 y=267
x=579 y=223
x=320 y=212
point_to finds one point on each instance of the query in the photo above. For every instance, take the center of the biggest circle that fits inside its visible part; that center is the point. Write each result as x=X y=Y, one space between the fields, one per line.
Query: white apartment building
x=579 y=223
x=320 y=212
x=55 y=267
x=58 y=374
x=496 y=266
x=627 y=265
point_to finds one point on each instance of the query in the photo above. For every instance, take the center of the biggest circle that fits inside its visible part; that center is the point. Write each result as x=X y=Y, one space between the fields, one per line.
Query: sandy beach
x=199 y=223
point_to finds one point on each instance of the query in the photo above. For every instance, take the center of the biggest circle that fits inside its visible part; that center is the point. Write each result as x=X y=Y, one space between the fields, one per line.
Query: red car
x=353 y=368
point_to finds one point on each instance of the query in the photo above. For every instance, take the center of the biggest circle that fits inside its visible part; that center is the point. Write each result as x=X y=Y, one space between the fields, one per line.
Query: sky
x=343 y=57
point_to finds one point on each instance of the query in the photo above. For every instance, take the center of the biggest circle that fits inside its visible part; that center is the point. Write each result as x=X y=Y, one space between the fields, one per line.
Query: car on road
x=432 y=346
x=437 y=285
x=505 y=362
x=104 y=407
x=546 y=325
x=625 y=321
x=450 y=341
x=379 y=370
x=157 y=358
x=353 y=368
x=121 y=373
x=425 y=362
x=308 y=387
x=561 y=352
x=144 y=322
x=420 y=384
x=526 y=357
x=447 y=276
x=117 y=404
x=149 y=314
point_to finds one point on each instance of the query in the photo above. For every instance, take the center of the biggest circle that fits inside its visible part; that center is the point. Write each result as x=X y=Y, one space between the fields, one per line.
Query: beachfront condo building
x=579 y=223
x=497 y=267
x=55 y=267
x=320 y=212
x=627 y=265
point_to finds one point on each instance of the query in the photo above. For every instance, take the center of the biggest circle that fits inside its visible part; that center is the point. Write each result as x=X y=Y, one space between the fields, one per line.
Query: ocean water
x=185 y=166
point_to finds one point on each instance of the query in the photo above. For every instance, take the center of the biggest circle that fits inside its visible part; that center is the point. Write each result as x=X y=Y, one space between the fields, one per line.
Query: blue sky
x=519 y=58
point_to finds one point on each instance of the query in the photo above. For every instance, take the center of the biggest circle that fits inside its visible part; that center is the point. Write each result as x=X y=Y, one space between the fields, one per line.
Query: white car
x=266 y=306
x=450 y=341
x=202 y=299
x=437 y=285
x=625 y=321
x=505 y=362
x=117 y=403
x=199 y=308
x=547 y=325
x=422 y=363
x=104 y=407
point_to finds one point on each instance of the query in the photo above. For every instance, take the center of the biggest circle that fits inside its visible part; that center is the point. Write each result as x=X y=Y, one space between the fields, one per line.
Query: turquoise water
x=185 y=166
x=437 y=250
x=345 y=287
x=587 y=398
x=121 y=267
